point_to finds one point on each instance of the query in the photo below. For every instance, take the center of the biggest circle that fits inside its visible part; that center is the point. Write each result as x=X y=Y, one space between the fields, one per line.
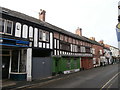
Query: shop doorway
x=5 y=66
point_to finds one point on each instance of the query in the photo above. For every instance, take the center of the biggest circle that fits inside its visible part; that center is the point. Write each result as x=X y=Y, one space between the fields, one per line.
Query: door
x=41 y=67
x=5 y=66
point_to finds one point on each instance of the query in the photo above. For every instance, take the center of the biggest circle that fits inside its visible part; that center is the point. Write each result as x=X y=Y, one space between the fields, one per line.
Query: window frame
x=31 y=36
x=6 y=24
x=47 y=36
x=40 y=35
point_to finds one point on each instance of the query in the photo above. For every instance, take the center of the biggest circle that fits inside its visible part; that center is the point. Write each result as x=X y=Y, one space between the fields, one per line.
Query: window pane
x=30 y=32
x=18 y=30
x=44 y=36
x=47 y=36
x=23 y=61
x=14 y=65
x=9 y=27
x=2 y=23
x=40 y=35
x=25 y=31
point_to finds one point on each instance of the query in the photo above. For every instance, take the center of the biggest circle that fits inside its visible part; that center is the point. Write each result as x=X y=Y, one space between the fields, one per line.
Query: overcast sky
x=97 y=18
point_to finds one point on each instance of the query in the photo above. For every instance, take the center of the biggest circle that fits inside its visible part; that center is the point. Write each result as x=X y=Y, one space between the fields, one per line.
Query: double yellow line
x=109 y=81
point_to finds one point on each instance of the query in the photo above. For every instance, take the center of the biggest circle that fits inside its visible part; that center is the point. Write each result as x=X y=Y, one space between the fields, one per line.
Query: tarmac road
x=100 y=77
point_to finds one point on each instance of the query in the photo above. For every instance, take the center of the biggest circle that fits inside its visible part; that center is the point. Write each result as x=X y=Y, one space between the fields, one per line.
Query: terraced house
x=35 y=49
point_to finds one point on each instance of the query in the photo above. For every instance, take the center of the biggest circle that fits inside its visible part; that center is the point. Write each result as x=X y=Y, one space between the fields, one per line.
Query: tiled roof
x=45 y=24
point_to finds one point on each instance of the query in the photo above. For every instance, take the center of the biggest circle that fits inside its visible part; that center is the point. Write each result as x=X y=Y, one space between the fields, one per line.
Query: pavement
x=14 y=85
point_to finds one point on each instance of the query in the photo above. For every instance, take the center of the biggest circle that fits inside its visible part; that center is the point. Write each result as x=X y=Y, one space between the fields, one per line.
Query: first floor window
x=2 y=25
x=30 y=32
x=47 y=36
x=9 y=27
x=44 y=36
x=40 y=35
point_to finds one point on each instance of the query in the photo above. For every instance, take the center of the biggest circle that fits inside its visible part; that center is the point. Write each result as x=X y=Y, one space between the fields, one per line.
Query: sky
x=97 y=18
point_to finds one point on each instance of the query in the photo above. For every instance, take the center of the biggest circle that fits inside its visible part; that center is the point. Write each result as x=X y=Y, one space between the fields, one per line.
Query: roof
x=45 y=24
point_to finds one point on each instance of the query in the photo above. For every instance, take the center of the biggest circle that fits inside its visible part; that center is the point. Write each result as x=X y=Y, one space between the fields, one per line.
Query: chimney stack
x=79 y=31
x=92 y=38
x=101 y=42
x=42 y=15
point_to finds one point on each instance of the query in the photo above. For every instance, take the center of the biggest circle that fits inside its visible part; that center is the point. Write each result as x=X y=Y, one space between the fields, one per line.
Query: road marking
x=109 y=81
x=109 y=86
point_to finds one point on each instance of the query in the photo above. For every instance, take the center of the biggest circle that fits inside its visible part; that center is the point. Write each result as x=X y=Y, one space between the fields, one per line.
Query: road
x=100 y=77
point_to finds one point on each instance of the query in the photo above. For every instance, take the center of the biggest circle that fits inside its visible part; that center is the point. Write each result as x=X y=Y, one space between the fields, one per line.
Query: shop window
x=23 y=61
x=18 y=61
x=14 y=63
x=2 y=25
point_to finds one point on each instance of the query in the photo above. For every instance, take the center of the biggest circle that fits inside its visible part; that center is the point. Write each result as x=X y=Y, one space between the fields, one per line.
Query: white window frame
x=16 y=30
x=25 y=31
x=44 y=36
x=30 y=32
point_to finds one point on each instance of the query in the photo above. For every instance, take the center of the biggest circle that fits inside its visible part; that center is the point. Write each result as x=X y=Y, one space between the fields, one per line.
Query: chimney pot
x=79 y=31
x=101 y=42
x=42 y=15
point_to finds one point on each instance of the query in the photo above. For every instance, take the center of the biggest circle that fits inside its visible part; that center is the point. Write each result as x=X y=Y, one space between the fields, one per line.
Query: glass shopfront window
x=18 y=61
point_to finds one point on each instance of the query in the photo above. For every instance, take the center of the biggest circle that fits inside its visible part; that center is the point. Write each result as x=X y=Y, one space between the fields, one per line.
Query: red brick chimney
x=92 y=38
x=101 y=42
x=79 y=31
x=42 y=15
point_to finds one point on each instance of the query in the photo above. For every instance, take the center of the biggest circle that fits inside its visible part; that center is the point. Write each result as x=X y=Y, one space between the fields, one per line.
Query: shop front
x=13 y=58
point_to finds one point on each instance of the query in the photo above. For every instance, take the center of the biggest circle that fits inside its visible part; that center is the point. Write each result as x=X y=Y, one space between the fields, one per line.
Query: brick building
x=97 y=49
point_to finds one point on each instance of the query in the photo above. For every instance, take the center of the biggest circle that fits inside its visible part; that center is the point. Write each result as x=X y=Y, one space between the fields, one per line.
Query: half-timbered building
x=35 y=49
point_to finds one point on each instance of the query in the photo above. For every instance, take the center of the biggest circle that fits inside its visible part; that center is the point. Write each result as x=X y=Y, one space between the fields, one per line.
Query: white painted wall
x=51 y=41
x=35 y=37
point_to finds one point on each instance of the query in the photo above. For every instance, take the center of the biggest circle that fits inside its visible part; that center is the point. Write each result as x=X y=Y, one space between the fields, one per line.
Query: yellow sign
x=118 y=26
